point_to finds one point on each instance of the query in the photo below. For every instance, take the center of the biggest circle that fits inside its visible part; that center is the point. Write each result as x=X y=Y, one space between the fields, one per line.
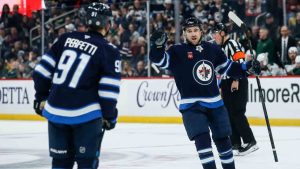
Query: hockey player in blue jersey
x=77 y=83
x=194 y=65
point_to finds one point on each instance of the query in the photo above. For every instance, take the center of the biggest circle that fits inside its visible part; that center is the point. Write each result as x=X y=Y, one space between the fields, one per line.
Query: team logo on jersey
x=203 y=72
x=199 y=48
x=190 y=55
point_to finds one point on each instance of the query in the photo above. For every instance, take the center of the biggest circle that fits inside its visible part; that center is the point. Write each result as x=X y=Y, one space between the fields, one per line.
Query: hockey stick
x=101 y=136
x=242 y=25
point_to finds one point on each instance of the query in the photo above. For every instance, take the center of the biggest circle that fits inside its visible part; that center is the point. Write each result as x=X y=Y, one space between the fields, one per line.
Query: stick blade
x=235 y=19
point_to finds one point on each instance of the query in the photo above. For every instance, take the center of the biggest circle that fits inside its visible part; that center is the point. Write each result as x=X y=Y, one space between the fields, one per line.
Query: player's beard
x=194 y=40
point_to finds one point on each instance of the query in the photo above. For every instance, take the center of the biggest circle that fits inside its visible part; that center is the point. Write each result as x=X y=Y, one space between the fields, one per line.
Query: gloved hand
x=108 y=124
x=158 y=39
x=253 y=67
x=38 y=106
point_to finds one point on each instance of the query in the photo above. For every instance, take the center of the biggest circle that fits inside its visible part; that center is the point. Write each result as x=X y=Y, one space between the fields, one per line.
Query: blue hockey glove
x=158 y=39
x=253 y=67
x=109 y=124
x=38 y=106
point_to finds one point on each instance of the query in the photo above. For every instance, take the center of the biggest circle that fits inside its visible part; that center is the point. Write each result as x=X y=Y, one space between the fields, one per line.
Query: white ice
x=24 y=145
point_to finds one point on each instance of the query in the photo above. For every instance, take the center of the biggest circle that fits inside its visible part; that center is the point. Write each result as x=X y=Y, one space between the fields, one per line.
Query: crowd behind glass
x=276 y=46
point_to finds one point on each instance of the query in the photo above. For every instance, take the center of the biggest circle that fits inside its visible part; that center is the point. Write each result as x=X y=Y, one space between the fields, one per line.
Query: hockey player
x=194 y=65
x=235 y=94
x=77 y=84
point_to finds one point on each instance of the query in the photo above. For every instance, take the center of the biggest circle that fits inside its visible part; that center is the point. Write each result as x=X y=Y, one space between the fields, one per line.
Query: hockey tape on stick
x=235 y=19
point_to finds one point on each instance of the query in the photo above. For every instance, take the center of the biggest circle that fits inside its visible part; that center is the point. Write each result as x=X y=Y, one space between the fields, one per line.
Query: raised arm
x=158 y=55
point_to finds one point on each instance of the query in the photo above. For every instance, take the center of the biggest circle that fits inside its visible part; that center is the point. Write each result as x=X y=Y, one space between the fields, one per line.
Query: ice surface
x=24 y=145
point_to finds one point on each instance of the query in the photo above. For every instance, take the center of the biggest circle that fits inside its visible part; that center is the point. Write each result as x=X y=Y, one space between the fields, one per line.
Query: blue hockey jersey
x=80 y=79
x=194 y=69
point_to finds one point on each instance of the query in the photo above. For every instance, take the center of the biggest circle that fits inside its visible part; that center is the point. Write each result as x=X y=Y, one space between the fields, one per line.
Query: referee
x=235 y=94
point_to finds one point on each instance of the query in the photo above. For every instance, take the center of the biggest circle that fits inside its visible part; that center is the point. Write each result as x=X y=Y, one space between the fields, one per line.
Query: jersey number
x=118 y=66
x=65 y=64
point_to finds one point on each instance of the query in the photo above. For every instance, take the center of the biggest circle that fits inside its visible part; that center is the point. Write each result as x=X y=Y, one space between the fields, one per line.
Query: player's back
x=81 y=60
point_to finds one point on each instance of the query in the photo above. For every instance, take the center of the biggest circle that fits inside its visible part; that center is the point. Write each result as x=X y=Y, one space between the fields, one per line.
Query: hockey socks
x=62 y=163
x=203 y=145
x=225 y=152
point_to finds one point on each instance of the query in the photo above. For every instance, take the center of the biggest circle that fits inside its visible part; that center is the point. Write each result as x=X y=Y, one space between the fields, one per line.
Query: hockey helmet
x=220 y=27
x=191 y=21
x=98 y=15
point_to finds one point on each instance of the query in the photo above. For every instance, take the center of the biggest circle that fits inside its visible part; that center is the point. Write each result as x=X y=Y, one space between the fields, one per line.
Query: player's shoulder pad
x=212 y=45
x=112 y=45
x=176 y=45
x=112 y=49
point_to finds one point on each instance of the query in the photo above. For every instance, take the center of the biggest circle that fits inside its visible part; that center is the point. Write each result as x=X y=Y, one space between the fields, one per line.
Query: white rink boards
x=157 y=100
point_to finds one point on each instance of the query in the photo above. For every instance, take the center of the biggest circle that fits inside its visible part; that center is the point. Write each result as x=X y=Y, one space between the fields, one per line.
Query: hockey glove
x=158 y=39
x=109 y=124
x=38 y=106
x=253 y=67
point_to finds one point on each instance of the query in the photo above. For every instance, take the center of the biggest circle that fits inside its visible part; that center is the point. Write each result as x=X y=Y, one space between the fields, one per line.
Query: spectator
x=10 y=70
x=25 y=46
x=159 y=22
x=127 y=70
x=267 y=69
x=133 y=32
x=132 y=14
x=140 y=69
x=125 y=35
x=15 y=34
x=272 y=26
x=81 y=27
x=25 y=26
x=284 y=42
x=219 y=11
x=168 y=11
x=265 y=45
x=16 y=18
x=61 y=31
x=70 y=27
x=296 y=27
x=292 y=53
x=244 y=40
x=296 y=70
x=137 y=14
x=17 y=48
x=6 y=17
x=200 y=12
x=239 y=6
x=298 y=47
x=24 y=69
x=32 y=60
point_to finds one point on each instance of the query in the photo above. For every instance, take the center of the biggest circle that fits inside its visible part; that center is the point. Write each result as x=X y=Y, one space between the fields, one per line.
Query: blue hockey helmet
x=191 y=21
x=98 y=15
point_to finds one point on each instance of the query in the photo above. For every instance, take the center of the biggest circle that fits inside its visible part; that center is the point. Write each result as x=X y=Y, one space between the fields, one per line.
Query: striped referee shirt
x=234 y=51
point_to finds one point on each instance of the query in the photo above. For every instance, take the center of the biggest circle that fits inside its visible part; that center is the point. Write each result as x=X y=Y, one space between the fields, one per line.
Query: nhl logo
x=82 y=149
x=190 y=55
x=203 y=72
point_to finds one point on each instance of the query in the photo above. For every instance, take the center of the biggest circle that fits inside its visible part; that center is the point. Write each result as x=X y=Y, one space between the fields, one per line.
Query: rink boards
x=156 y=100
